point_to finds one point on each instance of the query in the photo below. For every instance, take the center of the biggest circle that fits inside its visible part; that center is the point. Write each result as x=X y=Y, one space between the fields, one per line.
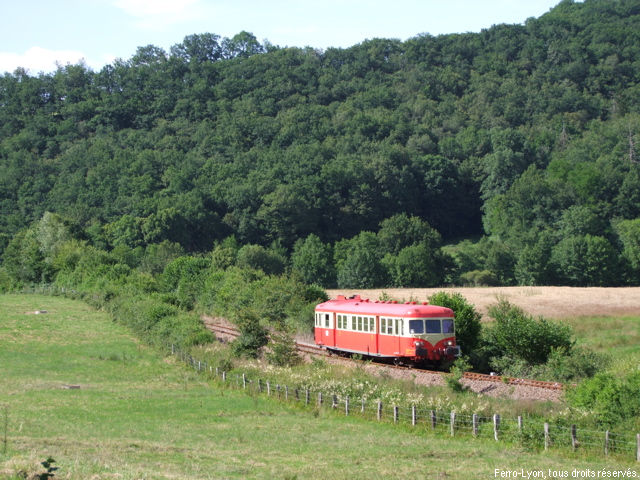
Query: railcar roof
x=365 y=306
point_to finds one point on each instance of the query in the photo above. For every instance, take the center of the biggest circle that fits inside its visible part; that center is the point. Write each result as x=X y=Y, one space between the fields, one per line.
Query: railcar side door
x=399 y=332
x=328 y=328
x=389 y=341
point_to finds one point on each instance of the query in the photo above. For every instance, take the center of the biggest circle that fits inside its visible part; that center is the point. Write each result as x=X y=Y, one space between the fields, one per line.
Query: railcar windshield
x=447 y=326
x=433 y=326
x=430 y=326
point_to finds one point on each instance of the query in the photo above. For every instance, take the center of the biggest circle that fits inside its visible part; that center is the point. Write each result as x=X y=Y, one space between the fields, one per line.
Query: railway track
x=312 y=349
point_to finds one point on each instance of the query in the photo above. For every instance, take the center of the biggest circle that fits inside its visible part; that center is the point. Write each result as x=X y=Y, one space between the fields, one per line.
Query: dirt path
x=551 y=302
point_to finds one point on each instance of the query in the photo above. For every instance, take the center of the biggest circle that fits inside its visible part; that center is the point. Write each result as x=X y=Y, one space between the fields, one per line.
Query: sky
x=40 y=34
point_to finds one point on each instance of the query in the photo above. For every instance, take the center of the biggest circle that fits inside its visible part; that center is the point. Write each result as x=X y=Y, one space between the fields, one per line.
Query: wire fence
x=531 y=433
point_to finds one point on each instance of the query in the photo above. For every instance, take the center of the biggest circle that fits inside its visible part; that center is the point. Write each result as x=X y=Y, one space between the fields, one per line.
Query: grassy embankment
x=137 y=415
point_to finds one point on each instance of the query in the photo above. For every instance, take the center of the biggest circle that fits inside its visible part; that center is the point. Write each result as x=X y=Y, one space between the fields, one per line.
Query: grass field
x=138 y=415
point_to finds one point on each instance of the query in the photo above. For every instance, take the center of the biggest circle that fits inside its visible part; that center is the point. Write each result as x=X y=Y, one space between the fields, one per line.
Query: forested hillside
x=508 y=156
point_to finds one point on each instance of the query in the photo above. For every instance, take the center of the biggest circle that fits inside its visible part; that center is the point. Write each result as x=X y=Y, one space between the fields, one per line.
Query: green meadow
x=617 y=337
x=134 y=414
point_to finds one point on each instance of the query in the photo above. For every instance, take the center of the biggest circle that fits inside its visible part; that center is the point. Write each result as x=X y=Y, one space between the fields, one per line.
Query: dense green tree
x=417 y=265
x=359 y=263
x=401 y=231
x=587 y=260
x=261 y=258
x=629 y=233
x=313 y=261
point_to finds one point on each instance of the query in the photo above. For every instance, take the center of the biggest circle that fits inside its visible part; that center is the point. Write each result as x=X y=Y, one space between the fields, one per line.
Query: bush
x=612 y=400
x=259 y=258
x=562 y=366
x=517 y=335
x=253 y=336
x=571 y=365
x=184 y=277
x=479 y=278
x=452 y=380
x=283 y=351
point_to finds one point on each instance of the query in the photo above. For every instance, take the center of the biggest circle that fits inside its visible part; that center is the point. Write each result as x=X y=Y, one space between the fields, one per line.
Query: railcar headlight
x=449 y=343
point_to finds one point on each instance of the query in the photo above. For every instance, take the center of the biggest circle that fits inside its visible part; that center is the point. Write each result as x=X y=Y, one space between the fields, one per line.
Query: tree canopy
x=521 y=138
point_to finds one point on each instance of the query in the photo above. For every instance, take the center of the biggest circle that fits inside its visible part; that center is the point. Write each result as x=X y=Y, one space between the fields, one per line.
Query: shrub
x=452 y=380
x=575 y=364
x=260 y=258
x=520 y=336
x=283 y=351
x=612 y=400
x=479 y=278
x=253 y=336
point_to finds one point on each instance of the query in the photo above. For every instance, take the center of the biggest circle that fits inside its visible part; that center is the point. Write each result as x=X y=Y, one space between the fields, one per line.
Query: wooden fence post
x=268 y=387
x=546 y=436
x=379 y=410
x=574 y=438
x=244 y=381
x=286 y=393
x=224 y=376
x=496 y=425
x=334 y=401
x=414 y=417
x=395 y=414
x=638 y=447
x=432 y=414
x=606 y=443
x=306 y=396
x=319 y=399
x=452 y=422
x=362 y=408
x=346 y=406
x=474 y=424
x=519 y=424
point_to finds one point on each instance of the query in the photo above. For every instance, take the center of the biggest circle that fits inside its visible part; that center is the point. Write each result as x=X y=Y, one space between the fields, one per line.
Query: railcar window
x=383 y=325
x=365 y=326
x=326 y=320
x=447 y=326
x=416 y=326
x=339 y=321
x=399 y=327
x=433 y=326
x=359 y=324
x=372 y=324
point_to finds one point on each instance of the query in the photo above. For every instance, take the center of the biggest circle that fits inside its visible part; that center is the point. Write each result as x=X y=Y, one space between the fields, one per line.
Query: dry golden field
x=551 y=302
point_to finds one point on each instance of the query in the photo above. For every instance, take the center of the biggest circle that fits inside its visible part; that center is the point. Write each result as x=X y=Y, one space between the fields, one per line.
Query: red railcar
x=403 y=332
